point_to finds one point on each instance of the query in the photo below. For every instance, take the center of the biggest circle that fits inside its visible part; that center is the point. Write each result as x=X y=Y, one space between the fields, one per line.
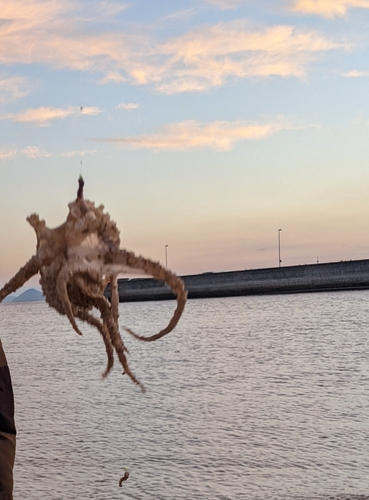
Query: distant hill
x=9 y=298
x=29 y=295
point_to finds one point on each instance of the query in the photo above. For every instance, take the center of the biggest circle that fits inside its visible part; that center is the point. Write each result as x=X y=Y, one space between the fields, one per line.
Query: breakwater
x=345 y=275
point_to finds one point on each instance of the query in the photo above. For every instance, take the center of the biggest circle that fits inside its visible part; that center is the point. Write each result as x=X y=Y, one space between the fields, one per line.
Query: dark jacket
x=7 y=430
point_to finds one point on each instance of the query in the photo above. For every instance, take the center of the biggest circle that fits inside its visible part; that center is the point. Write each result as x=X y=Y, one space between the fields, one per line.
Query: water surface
x=263 y=398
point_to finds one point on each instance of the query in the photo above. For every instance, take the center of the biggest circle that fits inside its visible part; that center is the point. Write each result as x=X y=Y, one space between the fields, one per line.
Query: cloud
x=30 y=151
x=90 y=111
x=55 y=34
x=355 y=74
x=71 y=154
x=112 y=8
x=35 y=152
x=114 y=77
x=7 y=153
x=180 y=15
x=128 y=106
x=12 y=88
x=42 y=116
x=328 y=8
x=58 y=34
x=192 y=135
x=210 y=56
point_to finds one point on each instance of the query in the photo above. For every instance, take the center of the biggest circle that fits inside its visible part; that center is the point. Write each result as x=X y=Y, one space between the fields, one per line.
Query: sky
x=204 y=125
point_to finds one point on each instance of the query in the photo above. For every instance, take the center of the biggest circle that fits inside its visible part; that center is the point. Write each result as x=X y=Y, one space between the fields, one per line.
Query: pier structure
x=344 y=275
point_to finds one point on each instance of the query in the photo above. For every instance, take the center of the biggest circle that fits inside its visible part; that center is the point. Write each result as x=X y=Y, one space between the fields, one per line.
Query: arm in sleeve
x=7 y=430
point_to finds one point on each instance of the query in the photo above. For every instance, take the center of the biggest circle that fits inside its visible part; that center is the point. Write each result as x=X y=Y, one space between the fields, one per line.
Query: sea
x=249 y=398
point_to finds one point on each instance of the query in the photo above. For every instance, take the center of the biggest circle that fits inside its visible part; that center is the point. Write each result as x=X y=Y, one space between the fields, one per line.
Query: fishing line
x=80 y=119
x=81 y=149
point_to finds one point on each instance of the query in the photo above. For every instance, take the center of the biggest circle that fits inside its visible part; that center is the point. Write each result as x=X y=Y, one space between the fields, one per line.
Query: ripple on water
x=262 y=398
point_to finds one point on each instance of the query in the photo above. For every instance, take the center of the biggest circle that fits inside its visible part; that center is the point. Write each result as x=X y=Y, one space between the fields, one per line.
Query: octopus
x=76 y=262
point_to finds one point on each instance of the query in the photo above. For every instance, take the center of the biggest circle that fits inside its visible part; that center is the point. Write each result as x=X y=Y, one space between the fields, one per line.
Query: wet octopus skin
x=77 y=260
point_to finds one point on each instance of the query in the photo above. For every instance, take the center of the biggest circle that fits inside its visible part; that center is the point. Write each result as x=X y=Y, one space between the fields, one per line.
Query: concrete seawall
x=347 y=275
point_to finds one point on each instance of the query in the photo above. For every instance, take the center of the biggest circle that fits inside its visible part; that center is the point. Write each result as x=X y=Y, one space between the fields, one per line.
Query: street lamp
x=279 y=248
x=166 y=256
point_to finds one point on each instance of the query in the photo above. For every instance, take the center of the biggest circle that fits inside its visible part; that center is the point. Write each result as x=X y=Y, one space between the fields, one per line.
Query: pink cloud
x=43 y=116
x=328 y=8
x=54 y=34
x=192 y=135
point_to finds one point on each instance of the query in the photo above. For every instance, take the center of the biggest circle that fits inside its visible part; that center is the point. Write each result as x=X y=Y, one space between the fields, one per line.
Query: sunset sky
x=204 y=125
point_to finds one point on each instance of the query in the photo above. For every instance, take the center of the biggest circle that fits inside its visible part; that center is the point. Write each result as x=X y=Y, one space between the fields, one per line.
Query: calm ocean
x=252 y=398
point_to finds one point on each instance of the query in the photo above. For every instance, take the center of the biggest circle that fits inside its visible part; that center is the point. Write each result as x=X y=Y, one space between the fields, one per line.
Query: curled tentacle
x=89 y=297
x=157 y=271
x=102 y=304
x=24 y=274
x=61 y=288
x=91 y=320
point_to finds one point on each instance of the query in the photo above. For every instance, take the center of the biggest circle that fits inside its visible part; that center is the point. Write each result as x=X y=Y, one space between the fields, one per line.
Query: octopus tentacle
x=157 y=271
x=89 y=297
x=91 y=320
x=93 y=298
x=61 y=288
x=103 y=305
x=26 y=272
x=114 y=297
x=85 y=286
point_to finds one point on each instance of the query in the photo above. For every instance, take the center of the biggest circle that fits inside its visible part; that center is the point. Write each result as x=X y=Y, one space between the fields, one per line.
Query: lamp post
x=166 y=256
x=279 y=248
